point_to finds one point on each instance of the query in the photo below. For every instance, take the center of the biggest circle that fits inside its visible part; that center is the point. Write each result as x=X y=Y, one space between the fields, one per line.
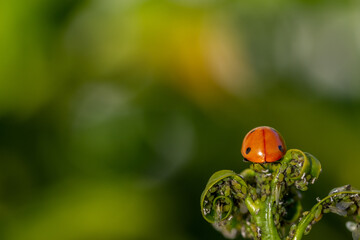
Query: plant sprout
x=263 y=201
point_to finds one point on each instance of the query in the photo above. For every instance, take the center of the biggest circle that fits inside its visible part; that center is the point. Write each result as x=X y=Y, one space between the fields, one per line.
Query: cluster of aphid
x=223 y=202
x=287 y=206
x=241 y=203
x=217 y=197
x=344 y=201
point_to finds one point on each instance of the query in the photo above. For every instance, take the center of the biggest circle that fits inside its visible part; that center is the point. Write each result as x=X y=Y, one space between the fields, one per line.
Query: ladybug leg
x=245 y=160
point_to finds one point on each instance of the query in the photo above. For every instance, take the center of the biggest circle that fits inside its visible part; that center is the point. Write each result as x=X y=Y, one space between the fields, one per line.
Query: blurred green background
x=114 y=113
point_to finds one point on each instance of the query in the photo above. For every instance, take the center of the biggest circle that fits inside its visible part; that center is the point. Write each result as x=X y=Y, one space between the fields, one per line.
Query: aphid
x=263 y=144
x=340 y=189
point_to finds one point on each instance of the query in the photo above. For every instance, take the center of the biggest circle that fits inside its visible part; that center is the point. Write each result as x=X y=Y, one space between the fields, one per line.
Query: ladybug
x=263 y=145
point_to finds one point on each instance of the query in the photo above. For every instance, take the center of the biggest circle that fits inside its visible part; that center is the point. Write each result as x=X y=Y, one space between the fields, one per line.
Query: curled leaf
x=315 y=166
x=302 y=168
x=223 y=196
x=298 y=162
x=293 y=208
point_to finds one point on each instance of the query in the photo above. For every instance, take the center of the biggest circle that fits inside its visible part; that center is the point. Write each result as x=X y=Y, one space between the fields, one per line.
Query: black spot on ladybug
x=281 y=148
x=248 y=150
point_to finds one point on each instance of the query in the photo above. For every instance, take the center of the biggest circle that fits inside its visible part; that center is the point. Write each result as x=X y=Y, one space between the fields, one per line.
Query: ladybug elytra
x=263 y=145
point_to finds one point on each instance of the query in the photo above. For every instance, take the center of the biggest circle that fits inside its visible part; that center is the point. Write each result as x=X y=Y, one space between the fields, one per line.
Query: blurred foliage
x=113 y=114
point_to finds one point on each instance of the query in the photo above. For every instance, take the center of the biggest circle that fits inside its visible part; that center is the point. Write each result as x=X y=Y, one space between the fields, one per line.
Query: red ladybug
x=262 y=145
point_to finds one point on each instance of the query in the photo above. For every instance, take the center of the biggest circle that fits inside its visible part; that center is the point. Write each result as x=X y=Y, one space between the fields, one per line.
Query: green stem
x=303 y=224
x=270 y=204
x=269 y=219
x=264 y=220
x=251 y=206
x=263 y=215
